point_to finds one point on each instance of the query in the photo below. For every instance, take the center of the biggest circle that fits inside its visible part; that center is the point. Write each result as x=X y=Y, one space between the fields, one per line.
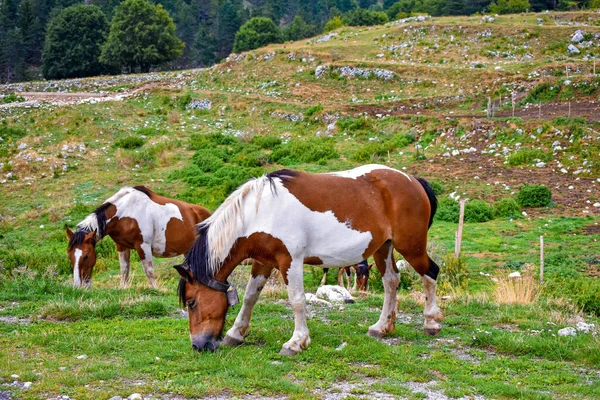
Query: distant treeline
x=50 y=36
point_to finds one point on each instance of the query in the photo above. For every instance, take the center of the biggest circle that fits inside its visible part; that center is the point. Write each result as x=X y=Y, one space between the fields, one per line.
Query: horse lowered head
x=82 y=253
x=207 y=301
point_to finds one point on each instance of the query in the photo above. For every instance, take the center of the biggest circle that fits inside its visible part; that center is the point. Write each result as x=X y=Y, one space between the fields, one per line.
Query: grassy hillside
x=412 y=95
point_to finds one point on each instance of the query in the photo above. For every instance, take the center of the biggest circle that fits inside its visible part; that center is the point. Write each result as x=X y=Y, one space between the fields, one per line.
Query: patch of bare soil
x=591 y=230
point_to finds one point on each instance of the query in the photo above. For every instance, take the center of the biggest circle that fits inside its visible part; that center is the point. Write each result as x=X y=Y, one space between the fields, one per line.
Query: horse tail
x=432 y=199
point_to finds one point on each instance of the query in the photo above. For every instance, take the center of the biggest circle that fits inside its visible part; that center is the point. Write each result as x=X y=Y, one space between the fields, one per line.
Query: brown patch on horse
x=368 y=203
x=313 y=261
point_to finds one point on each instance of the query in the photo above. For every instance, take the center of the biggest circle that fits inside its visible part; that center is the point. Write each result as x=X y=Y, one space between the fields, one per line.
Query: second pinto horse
x=135 y=218
x=286 y=219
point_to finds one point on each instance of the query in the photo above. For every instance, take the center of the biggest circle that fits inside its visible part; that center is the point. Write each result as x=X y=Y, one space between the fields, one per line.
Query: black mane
x=144 y=190
x=101 y=218
x=285 y=175
x=78 y=237
x=197 y=258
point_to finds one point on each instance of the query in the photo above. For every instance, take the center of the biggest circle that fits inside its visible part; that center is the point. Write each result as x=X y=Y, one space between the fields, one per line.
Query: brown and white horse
x=360 y=272
x=286 y=219
x=135 y=218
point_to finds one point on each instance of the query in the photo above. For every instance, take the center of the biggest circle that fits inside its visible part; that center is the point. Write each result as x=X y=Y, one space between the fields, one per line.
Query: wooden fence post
x=459 y=233
x=542 y=259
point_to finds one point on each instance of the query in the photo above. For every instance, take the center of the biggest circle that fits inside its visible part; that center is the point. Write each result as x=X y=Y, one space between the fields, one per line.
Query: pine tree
x=32 y=33
x=255 y=33
x=227 y=23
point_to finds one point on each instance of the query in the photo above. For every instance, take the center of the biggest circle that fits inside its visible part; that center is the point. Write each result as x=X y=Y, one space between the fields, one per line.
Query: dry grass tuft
x=519 y=290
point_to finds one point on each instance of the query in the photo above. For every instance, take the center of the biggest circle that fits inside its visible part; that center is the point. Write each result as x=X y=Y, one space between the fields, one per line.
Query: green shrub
x=11 y=133
x=207 y=161
x=211 y=140
x=312 y=110
x=374 y=150
x=437 y=187
x=304 y=151
x=266 y=141
x=12 y=98
x=507 y=208
x=130 y=142
x=534 y=196
x=582 y=291
x=448 y=210
x=542 y=93
x=478 y=211
x=354 y=124
x=453 y=273
x=528 y=156
x=184 y=100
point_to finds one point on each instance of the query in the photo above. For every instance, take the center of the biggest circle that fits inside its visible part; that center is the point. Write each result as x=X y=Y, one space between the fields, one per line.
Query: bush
x=363 y=17
x=582 y=291
x=534 y=196
x=298 y=151
x=333 y=24
x=528 y=156
x=12 y=98
x=130 y=142
x=256 y=32
x=207 y=161
x=478 y=211
x=266 y=141
x=437 y=187
x=312 y=110
x=507 y=208
x=448 y=210
x=542 y=93
x=373 y=150
x=453 y=273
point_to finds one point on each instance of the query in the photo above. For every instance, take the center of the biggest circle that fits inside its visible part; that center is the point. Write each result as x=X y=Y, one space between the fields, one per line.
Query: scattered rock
x=568 y=331
x=82 y=357
x=515 y=274
x=135 y=396
x=577 y=37
x=583 y=327
x=27 y=385
x=572 y=49
x=341 y=346
x=334 y=294
x=313 y=299
x=204 y=104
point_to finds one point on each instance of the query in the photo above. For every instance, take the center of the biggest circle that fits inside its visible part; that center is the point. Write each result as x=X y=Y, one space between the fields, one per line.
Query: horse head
x=82 y=253
x=207 y=301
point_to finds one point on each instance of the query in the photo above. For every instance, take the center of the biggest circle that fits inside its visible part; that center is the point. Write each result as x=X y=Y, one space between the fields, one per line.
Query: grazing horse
x=286 y=219
x=360 y=272
x=135 y=218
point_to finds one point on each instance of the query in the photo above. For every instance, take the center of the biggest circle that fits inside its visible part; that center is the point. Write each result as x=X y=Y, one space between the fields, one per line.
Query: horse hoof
x=287 y=352
x=375 y=334
x=432 y=331
x=229 y=341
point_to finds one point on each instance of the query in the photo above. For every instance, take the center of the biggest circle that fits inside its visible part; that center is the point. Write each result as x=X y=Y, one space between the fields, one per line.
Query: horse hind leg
x=324 y=279
x=124 y=257
x=145 y=253
x=384 y=260
x=428 y=270
x=259 y=276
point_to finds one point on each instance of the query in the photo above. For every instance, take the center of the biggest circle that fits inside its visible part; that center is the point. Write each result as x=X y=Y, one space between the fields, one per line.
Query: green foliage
x=299 y=29
x=333 y=24
x=317 y=150
x=534 y=196
x=141 y=35
x=453 y=273
x=448 y=210
x=130 y=142
x=257 y=32
x=529 y=156
x=350 y=124
x=312 y=110
x=509 y=6
x=9 y=134
x=437 y=187
x=12 y=98
x=507 y=207
x=85 y=25
x=375 y=150
x=542 y=93
x=266 y=141
x=582 y=291
x=478 y=211
x=362 y=17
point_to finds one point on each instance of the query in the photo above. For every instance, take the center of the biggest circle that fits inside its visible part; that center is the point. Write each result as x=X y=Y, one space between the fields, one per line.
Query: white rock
x=27 y=385
x=116 y=398
x=582 y=326
x=14 y=376
x=577 y=37
x=82 y=357
x=569 y=331
x=596 y=204
x=341 y=346
x=573 y=50
x=541 y=164
x=135 y=396
x=334 y=294
x=515 y=274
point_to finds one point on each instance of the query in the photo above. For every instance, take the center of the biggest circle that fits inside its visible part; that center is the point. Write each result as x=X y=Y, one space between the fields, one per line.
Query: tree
x=509 y=6
x=362 y=17
x=141 y=35
x=12 y=66
x=73 y=43
x=299 y=29
x=32 y=32
x=257 y=32
x=204 y=47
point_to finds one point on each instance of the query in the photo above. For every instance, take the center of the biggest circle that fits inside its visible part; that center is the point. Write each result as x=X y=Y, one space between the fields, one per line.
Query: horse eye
x=191 y=304
x=86 y=256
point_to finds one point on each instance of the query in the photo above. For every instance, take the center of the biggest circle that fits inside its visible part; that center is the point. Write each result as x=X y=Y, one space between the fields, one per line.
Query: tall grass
x=518 y=290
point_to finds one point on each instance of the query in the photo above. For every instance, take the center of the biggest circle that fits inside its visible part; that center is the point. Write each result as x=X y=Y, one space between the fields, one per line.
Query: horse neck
x=230 y=264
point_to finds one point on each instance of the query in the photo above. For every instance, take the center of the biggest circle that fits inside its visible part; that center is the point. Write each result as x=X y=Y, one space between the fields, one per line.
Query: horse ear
x=69 y=232
x=184 y=271
x=370 y=266
x=90 y=237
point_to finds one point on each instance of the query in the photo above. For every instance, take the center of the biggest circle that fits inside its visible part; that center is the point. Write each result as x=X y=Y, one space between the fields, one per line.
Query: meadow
x=412 y=95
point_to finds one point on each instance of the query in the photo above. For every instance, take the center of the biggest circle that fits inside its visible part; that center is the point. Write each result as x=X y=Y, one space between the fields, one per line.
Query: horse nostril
x=196 y=348
x=210 y=346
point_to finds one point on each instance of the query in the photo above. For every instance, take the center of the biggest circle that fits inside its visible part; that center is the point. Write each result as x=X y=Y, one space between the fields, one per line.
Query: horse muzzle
x=205 y=343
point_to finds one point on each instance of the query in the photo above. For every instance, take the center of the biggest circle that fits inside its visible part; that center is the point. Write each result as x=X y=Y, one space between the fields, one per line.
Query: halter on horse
x=135 y=218
x=286 y=219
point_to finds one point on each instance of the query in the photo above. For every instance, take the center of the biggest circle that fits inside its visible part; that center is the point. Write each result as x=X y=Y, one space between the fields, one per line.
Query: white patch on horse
x=365 y=169
x=76 y=278
x=152 y=218
x=90 y=223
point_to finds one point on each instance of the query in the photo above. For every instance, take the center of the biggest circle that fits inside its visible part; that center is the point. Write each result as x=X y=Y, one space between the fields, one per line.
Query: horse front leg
x=145 y=253
x=384 y=260
x=259 y=276
x=295 y=285
x=124 y=256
